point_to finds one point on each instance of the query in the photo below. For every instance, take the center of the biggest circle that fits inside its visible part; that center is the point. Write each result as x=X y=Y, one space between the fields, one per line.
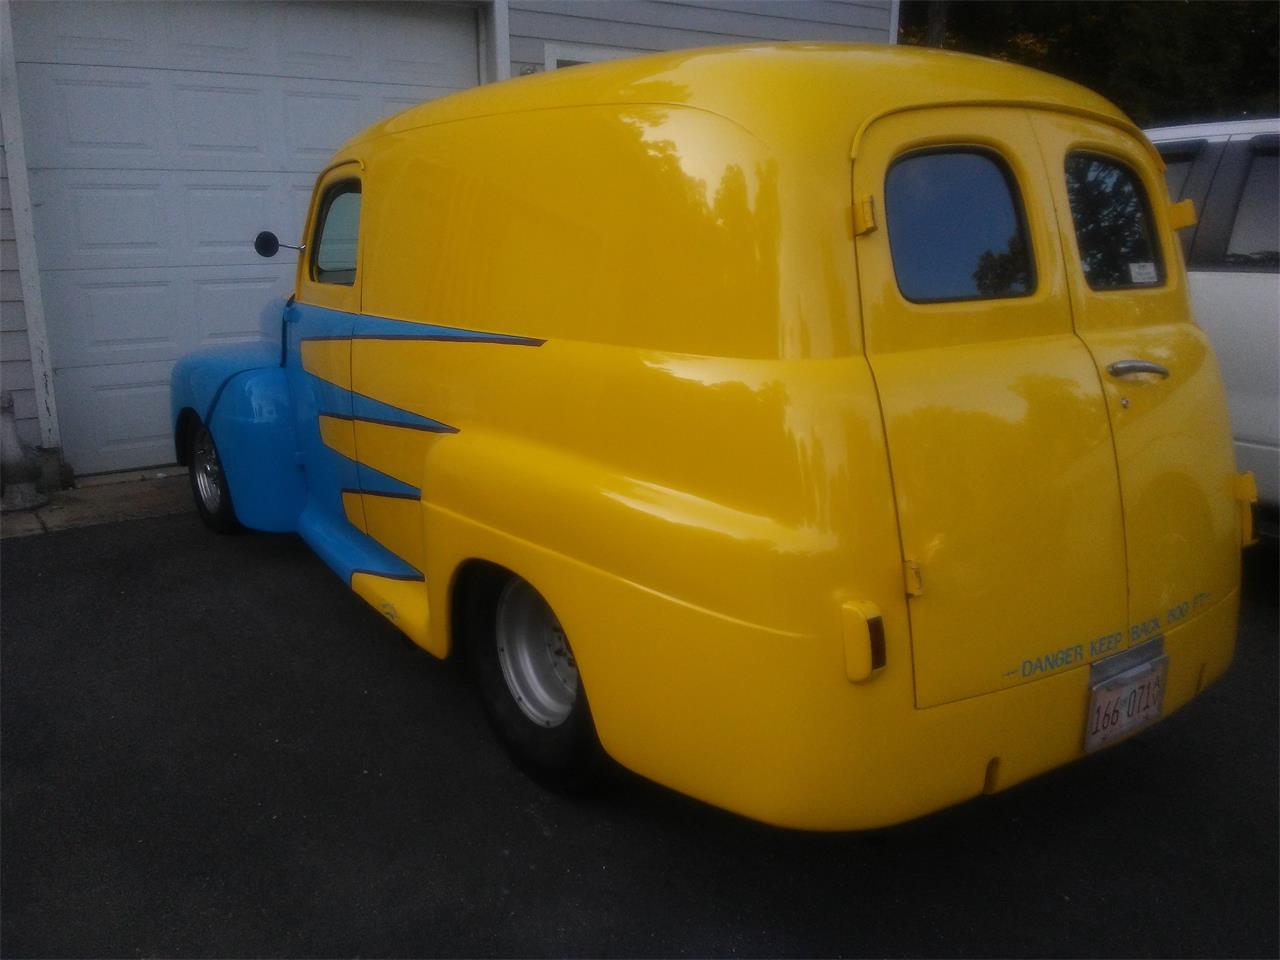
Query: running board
x=387 y=583
x=403 y=602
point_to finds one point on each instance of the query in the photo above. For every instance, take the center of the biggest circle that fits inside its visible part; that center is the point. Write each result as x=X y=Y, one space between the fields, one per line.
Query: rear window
x=1114 y=229
x=956 y=230
x=1255 y=236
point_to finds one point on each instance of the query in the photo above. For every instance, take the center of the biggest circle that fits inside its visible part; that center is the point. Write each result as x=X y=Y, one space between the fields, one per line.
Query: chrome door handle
x=1125 y=368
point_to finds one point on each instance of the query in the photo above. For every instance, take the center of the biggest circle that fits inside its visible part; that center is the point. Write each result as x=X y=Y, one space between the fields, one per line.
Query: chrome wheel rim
x=207 y=470
x=534 y=654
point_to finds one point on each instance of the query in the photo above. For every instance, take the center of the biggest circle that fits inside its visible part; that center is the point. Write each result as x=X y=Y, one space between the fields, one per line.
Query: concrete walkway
x=105 y=499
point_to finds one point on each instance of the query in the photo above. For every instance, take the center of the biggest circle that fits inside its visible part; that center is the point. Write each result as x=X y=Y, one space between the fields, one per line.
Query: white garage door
x=161 y=138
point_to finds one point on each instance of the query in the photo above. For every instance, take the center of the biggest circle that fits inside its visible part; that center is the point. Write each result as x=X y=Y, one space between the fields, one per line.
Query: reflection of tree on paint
x=1004 y=274
x=1110 y=216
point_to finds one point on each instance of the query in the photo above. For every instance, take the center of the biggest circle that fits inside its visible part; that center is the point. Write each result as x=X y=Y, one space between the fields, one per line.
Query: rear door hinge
x=912 y=578
x=864 y=215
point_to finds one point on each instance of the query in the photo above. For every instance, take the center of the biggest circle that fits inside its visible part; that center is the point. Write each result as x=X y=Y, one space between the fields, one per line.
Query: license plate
x=1126 y=694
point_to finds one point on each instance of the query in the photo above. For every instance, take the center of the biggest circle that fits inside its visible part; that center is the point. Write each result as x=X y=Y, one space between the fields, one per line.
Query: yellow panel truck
x=820 y=431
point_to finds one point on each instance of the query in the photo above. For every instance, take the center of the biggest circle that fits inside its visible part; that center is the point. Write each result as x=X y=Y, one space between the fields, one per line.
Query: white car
x=1229 y=170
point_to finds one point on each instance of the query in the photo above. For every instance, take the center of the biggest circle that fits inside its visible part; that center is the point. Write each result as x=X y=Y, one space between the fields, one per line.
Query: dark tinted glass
x=955 y=228
x=334 y=260
x=1254 y=236
x=1179 y=158
x=1113 y=224
x=1176 y=171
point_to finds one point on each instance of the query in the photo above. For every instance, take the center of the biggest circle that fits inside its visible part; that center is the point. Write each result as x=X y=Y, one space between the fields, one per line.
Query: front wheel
x=528 y=678
x=209 y=483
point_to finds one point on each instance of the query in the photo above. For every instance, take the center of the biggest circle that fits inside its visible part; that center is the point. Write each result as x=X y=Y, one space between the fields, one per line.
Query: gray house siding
x=642 y=26
x=15 y=351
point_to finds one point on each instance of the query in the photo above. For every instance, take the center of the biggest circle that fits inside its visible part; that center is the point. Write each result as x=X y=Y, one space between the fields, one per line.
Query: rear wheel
x=209 y=482
x=528 y=678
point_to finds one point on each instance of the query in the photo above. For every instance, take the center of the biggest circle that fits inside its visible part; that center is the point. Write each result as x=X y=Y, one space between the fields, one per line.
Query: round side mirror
x=266 y=243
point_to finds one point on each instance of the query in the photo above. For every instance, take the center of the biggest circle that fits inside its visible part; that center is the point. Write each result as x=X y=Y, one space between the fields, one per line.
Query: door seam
x=1063 y=239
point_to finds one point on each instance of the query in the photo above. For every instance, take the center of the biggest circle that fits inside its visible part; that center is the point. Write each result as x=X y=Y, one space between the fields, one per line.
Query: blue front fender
x=198 y=378
x=240 y=393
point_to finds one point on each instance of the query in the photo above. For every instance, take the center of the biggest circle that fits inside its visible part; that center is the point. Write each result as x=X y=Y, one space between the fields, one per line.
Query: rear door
x=1163 y=392
x=998 y=436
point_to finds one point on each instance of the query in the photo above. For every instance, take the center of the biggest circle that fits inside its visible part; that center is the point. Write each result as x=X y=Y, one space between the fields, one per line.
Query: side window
x=1114 y=229
x=1255 y=235
x=333 y=251
x=956 y=227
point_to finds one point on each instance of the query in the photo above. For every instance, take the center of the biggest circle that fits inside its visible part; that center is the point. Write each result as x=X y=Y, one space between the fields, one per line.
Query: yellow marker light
x=1182 y=214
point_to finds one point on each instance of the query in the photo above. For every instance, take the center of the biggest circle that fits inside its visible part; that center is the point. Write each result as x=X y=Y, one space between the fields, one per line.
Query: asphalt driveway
x=208 y=746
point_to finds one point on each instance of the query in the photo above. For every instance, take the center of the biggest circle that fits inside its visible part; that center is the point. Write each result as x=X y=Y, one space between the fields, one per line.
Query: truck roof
x=775 y=90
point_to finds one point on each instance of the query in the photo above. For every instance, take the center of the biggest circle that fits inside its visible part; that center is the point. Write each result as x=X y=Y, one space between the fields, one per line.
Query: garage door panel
x=319 y=116
x=123 y=118
x=151 y=315
x=237 y=38
x=219 y=119
x=381 y=43
x=110 y=317
x=387 y=42
x=221 y=219
x=123 y=422
x=77 y=32
x=220 y=216
x=77 y=116
x=315 y=38
x=231 y=308
x=110 y=220
x=314 y=119
x=100 y=218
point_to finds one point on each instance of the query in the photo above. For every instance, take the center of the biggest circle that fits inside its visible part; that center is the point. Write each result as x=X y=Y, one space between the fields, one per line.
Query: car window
x=956 y=229
x=334 y=257
x=1176 y=171
x=1178 y=161
x=1254 y=233
x=1175 y=175
x=1113 y=224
